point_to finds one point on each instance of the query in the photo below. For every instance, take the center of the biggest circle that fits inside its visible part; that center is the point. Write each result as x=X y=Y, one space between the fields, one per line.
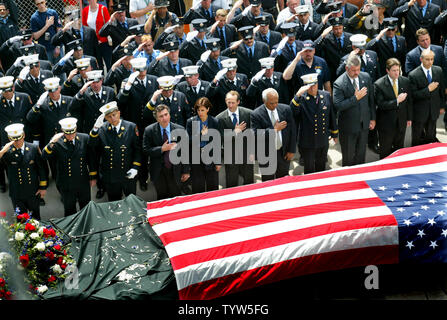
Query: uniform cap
x=359 y=40
x=335 y=6
x=75 y=45
x=166 y=82
x=83 y=63
x=137 y=30
x=171 y=44
x=139 y=64
x=161 y=3
x=199 y=24
x=302 y=9
x=31 y=60
x=95 y=75
x=267 y=63
x=68 y=125
x=190 y=70
x=6 y=82
x=28 y=49
x=246 y=32
x=230 y=64
x=390 y=22
x=51 y=84
x=289 y=28
x=335 y=21
x=255 y=3
x=26 y=34
x=15 y=131
x=310 y=78
x=109 y=107
x=262 y=20
x=308 y=45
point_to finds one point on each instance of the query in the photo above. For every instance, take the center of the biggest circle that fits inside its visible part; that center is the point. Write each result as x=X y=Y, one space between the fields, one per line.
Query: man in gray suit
x=237 y=119
x=353 y=96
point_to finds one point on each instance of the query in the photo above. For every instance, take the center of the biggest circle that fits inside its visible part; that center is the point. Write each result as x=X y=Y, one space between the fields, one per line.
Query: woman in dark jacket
x=205 y=164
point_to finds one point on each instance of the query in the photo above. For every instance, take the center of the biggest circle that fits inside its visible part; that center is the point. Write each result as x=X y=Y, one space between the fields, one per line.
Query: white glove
x=197 y=6
x=68 y=55
x=219 y=75
x=205 y=55
x=258 y=76
x=170 y=29
x=177 y=79
x=36 y=142
x=23 y=73
x=245 y=12
x=131 y=173
x=41 y=99
x=14 y=39
x=99 y=122
x=18 y=62
x=191 y=35
x=133 y=76
x=282 y=43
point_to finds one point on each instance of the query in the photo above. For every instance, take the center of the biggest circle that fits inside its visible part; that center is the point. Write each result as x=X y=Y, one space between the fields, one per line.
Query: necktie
x=70 y=145
x=141 y=82
x=11 y=105
x=207 y=13
x=149 y=59
x=166 y=161
x=234 y=119
x=278 y=139
x=57 y=105
x=390 y=41
x=354 y=83
x=429 y=76
x=250 y=53
x=36 y=81
x=422 y=11
x=396 y=92
x=222 y=38
x=97 y=96
x=292 y=49
x=175 y=68
x=194 y=89
x=339 y=43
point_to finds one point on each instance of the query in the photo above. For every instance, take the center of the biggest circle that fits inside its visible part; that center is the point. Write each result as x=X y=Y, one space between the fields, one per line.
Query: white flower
x=42 y=289
x=40 y=246
x=56 y=268
x=5 y=256
x=19 y=236
x=41 y=230
x=49 y=243
x=34 y=235
x=35 y=223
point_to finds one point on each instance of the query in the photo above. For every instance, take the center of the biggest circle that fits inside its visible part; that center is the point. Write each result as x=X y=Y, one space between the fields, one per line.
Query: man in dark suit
x=353 y=98
x=121 y=69
x=333 y=44
x=413 y=58
x=193 y=87
x=174 y=32
x=74 y=30
x=428 y=89
x=76 y=78
x=315 y=121
x=268 y=78
x=157 y=144
x=205 y=10
x=210 y=63
x=193 y=49
x=237 y=119
x=32 y=82
x=418 y=14
x=74 y=162
x=306 y=29
x=264 y=34
x=168 y=63
x=118 y=149
x=248 y=16
x=27 y=174
x=248 y=52
x=392 y=94
x=14 y=107
x=67 y=63
x=227 y=33
x=387 y=44
x=347 y=9
x=226 y=80
x=279 y=141
x=118 y=25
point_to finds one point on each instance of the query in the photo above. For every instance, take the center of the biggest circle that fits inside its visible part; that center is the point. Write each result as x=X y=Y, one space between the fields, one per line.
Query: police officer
x=180 y=109
x=27 y=174
x=67 y=63
x=316 y=123
x=118 y=148
x=193 y=87
x=132 y=99
x=288 y=47
x=77 y=77
x=194 y=48
x=14 y=107
x=31 y=77
x=226 y=80
x=264 y=34
x=169 y=62
x=268 y=78
x=211 y=61
x=121 y=69
x=70 y=151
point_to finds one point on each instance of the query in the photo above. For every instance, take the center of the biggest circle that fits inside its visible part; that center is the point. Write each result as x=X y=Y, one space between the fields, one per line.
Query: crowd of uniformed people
x=92 y=97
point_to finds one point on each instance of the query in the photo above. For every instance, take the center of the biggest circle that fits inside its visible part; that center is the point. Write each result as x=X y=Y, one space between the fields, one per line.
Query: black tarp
x=117 y=254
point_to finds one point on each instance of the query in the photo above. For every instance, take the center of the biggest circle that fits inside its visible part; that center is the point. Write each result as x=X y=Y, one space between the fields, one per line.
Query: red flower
x=2 y=282
x=52 y=279
x=3 y=214
x=24 y=260
x=2 y=293
x=63 y=266
x=57 y=247
x=23 y=216
x=8 y=295
x=49 y=255
x=30 y=227
x=49 y=232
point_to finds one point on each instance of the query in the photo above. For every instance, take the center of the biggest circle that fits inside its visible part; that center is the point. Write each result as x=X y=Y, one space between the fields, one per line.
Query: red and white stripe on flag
x=234 y=239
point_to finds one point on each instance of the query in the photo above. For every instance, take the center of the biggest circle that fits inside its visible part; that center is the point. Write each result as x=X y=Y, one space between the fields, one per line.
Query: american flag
x=384 y=212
